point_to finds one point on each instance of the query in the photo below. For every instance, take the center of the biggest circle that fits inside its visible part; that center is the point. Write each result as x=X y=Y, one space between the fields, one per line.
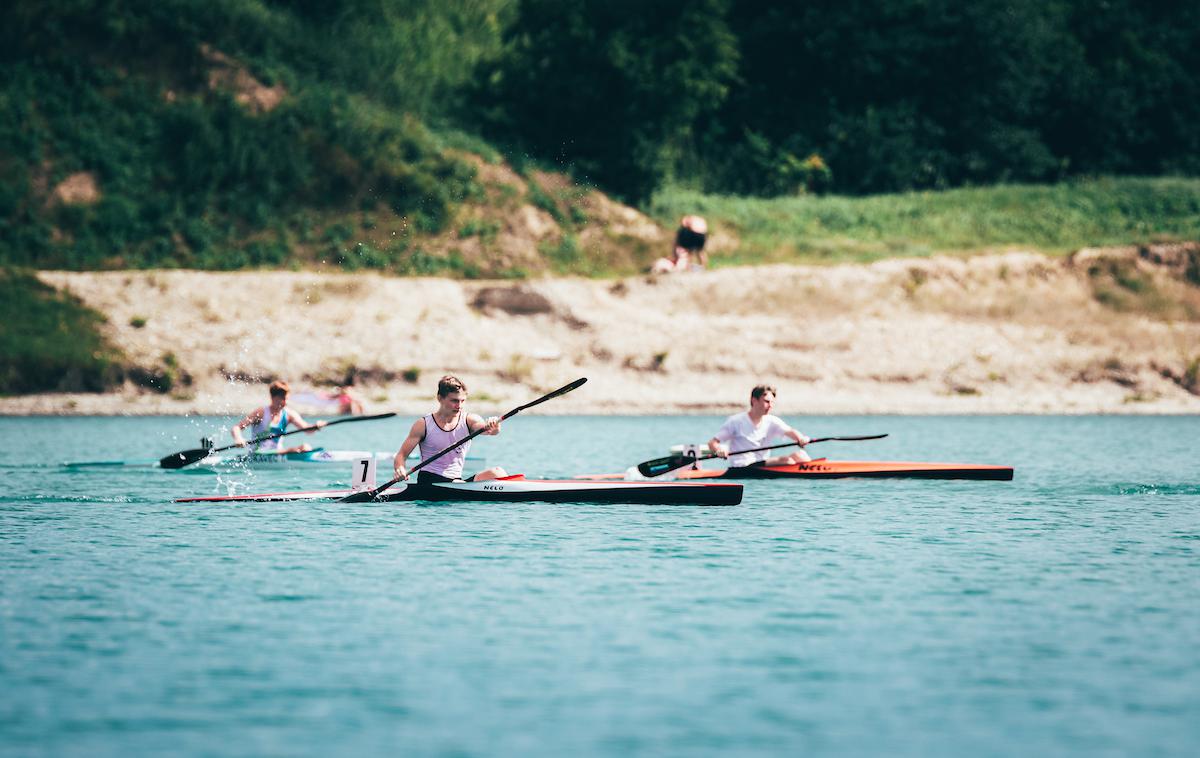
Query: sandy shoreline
x=1000 y=334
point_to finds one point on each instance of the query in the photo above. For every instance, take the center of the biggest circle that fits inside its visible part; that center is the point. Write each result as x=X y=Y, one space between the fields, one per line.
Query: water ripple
x=1051 y=615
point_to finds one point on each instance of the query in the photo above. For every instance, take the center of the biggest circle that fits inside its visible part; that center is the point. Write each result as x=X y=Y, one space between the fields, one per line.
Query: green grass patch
x=1119 y=285
x=50 y=341
x=1056 y=218
x=187 y=176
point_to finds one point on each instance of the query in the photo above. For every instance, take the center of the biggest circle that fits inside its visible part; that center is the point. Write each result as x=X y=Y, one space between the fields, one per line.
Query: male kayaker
x=752 y=429
x=273 y=419
x=441 y=429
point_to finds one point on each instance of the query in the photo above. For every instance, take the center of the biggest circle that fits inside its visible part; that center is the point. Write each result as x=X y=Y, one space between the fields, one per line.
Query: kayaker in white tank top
x=439 y=430
x=273 y=419
x=437 y=439
x=268 y=423
x=754 y=429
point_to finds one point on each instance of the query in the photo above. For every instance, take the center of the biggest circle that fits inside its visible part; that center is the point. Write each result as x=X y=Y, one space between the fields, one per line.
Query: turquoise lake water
x=1055 y=614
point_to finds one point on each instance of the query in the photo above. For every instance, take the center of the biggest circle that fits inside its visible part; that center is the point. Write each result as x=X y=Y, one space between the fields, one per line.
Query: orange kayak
x=822 y=468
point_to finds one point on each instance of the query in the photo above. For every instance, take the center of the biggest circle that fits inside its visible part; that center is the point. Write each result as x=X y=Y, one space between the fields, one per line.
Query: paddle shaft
x=186 y=457
x=790 y=444
x=347 y=420
x=371 y=495
x=672 y=462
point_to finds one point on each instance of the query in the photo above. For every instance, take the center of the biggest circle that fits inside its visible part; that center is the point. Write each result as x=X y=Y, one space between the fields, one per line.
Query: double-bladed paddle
x=362 y=497
x=660 y=466
x=188 y=457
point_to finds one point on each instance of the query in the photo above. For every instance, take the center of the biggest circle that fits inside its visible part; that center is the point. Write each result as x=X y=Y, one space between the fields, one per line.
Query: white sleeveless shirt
x=437 y=439
x=263 y=427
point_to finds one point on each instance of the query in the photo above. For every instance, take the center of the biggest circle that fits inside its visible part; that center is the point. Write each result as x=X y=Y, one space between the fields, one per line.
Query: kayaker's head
x=452 y=395
x=762 y=399
x=279 y=390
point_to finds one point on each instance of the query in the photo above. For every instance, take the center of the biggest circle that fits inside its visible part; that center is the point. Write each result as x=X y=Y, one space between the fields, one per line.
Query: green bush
x=1192 y=269
x=188 y=176
x=565 y=256
x=50 y=342
x=757 y=167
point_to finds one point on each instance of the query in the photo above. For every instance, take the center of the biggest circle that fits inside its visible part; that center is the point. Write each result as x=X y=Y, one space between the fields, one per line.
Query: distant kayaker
x=273 y=419
x=752 y=429
x=441 y=429
x=688 y=253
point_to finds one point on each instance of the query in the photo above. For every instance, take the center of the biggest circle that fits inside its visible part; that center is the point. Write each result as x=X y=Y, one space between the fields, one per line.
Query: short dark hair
x=279 y=388
x=761 y=390
x=448 y=384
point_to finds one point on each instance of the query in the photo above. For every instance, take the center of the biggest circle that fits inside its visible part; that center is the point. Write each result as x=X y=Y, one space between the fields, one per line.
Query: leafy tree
x=614 y=89
x=889 y=94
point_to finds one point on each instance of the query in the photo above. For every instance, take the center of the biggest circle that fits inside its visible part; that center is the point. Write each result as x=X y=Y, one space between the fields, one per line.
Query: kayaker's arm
x=251 y=419
x=415 y=435
x=491 y=426
x=800 y=439
x=717 y=448
x=298 y=420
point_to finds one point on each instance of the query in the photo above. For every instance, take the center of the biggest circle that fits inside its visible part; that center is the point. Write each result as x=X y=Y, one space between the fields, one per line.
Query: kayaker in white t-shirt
x=756 y=428
x=439 y=430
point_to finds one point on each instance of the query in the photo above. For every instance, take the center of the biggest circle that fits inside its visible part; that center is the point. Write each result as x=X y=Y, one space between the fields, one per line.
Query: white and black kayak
x=518 y=489
x=264 y=459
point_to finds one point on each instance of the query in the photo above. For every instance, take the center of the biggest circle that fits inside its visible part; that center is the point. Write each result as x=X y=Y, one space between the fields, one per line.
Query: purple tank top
x=437 y=439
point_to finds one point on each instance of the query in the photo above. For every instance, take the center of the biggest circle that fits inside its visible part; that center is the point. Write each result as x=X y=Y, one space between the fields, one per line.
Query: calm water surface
x=1056 y=614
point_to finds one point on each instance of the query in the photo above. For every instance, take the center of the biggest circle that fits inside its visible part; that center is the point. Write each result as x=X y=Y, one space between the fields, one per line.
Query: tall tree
x=613 y=89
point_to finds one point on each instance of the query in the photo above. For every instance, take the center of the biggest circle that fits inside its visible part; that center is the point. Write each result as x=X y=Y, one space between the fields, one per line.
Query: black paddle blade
x=365 y=496
x=183 y=458
x=848 y=439
x=556 y=393
x=660 y=466
x=565 y=389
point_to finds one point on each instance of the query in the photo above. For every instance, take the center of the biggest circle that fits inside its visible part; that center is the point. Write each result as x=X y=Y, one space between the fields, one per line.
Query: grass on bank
x=50 y=341
x=214 y=134
x=1052 y=219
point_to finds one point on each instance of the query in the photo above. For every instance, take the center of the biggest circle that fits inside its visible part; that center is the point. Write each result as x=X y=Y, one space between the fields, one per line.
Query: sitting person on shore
x=348 y=400
x=688 y=253
x=753 y=429
x=349 y=403
x=273 y=419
